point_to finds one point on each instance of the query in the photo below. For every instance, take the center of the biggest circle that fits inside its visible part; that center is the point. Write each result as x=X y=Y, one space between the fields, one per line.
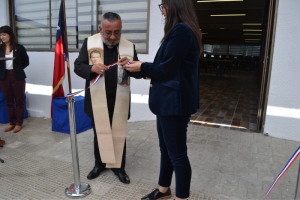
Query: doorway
x=234 y=67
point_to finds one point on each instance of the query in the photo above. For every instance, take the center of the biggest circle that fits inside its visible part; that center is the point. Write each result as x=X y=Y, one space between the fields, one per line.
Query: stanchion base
x=73 y=193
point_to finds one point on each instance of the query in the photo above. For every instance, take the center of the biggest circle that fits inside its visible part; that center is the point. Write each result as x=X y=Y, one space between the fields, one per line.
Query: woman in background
x=174 y=93
x=12 y=77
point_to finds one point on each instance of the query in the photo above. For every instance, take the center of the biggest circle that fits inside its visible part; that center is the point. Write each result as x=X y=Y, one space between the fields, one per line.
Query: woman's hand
x=134 y=66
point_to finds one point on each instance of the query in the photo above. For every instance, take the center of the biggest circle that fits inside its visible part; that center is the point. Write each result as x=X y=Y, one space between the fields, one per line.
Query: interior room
x=231 y=67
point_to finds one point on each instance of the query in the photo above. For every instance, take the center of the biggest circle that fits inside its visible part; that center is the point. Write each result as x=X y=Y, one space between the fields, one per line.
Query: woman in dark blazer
x=174 y=94
x=12 y=77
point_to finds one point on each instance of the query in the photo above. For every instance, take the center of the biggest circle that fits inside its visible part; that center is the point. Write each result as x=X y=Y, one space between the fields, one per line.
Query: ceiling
x=232 y=32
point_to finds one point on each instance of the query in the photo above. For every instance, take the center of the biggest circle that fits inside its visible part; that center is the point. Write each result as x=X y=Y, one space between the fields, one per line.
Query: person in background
x=174 y=93
x=12 y=77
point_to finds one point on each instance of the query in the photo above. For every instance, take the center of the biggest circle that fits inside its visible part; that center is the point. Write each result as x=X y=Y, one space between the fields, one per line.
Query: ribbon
x=95 y=81
x=287 y=166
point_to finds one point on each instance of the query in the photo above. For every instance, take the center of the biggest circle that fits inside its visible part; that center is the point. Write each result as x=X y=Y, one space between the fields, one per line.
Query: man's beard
x=109 y=44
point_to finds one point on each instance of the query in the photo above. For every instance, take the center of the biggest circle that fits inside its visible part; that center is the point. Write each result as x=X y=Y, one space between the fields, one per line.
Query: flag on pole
x=60 y=57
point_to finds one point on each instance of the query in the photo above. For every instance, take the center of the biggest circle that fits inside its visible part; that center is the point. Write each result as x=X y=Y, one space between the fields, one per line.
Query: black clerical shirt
x=83 y=69
x=111 y=76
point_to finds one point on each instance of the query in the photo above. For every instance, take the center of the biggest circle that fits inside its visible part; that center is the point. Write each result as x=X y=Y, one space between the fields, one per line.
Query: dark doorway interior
x=230 y=68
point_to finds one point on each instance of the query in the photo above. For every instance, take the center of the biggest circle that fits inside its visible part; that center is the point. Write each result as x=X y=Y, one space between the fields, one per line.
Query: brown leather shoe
x=2 y=142
x=17 y=128
x=9 y=128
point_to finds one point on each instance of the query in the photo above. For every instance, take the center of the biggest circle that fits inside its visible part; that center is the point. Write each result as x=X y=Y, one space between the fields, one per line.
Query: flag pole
x=67 y=48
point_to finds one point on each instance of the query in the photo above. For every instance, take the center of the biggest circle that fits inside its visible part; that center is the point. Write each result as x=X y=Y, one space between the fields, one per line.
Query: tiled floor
x=230 y=102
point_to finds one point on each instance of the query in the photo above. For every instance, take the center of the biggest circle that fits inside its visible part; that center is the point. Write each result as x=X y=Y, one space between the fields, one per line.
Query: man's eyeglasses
x=109 y=33
x=161 y=8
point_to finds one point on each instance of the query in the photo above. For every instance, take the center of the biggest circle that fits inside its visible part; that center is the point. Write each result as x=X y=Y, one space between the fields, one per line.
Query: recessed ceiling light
x=212 y=1
x=252 y=34
x=229 y=15
x=250 y=24
x=251 y=30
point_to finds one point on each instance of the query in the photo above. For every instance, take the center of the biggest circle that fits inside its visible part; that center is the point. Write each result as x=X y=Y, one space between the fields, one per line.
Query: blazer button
x=150 y=85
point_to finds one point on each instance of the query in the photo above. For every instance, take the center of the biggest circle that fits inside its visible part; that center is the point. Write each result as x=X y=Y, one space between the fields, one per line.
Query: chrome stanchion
x=77 y=189
x=297 y=184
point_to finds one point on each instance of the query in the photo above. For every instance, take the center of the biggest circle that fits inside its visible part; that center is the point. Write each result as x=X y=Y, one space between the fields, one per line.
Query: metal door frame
x=261 y=117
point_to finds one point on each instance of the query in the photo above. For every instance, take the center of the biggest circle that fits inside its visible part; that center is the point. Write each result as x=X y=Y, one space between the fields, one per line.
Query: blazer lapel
x=157 y=53
x=15 y=51
x=2 y=54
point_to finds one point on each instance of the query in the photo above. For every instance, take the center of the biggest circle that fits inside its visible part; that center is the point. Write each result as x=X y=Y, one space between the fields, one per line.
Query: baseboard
x=35 y=113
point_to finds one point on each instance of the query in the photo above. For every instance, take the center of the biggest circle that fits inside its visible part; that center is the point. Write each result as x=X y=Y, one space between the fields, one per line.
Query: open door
x=267 y=54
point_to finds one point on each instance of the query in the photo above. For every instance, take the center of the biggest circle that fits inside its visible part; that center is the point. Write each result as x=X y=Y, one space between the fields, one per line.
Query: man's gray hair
x=111 y=17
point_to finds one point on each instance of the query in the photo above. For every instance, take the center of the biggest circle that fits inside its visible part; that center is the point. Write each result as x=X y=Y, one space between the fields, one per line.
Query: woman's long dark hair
x=181 y=11
x=13 y=41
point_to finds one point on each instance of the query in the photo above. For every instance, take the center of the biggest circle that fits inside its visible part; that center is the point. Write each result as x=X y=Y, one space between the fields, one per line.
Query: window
x=238 y=50
x=32 y=23
x=253 y=51
x=81 y=20
x=36 y=21
x=221 y=49
x=134 y=19
x=208 y=48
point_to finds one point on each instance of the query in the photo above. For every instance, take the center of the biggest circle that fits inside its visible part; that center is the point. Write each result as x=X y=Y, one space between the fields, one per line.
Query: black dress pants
x=172 y=141
x=98 y=161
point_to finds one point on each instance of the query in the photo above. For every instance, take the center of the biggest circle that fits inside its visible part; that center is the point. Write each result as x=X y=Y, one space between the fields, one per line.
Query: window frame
x=71 y=50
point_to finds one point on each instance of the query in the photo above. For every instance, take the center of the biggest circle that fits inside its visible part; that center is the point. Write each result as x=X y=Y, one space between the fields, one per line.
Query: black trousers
x=172 y=141
x=98 y=161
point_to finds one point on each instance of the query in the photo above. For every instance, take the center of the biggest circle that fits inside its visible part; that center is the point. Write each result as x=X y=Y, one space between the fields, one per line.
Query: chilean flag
x=60 y=57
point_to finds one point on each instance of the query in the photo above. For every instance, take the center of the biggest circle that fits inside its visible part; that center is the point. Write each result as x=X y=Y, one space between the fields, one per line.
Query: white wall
x=283 y=111
x=4 y=14
x=141 y=112
x=40 y=76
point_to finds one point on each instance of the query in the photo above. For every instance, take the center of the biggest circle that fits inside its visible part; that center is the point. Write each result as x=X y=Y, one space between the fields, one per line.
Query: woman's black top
x=20 y=62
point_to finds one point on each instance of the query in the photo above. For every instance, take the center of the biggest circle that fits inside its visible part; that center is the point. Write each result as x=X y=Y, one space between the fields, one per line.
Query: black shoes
x=123 y=177
x=156 y=194
x=95 y=172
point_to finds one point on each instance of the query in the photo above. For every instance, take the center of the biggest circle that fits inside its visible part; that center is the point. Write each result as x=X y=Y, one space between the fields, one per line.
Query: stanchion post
x=77 y=189
x=297 y=184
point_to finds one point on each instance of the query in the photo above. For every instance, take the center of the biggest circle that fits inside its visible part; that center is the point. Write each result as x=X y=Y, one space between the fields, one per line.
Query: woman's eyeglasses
x=161 y=8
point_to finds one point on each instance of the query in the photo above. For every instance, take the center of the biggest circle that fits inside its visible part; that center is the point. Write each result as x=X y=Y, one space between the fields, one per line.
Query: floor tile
x=229 y=100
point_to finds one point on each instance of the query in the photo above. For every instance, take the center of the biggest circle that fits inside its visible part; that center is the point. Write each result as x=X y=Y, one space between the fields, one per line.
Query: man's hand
x=123 y=61
x=99 y=68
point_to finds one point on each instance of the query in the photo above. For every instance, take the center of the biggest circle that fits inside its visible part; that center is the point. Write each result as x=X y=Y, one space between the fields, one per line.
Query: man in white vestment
x=88 y=67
